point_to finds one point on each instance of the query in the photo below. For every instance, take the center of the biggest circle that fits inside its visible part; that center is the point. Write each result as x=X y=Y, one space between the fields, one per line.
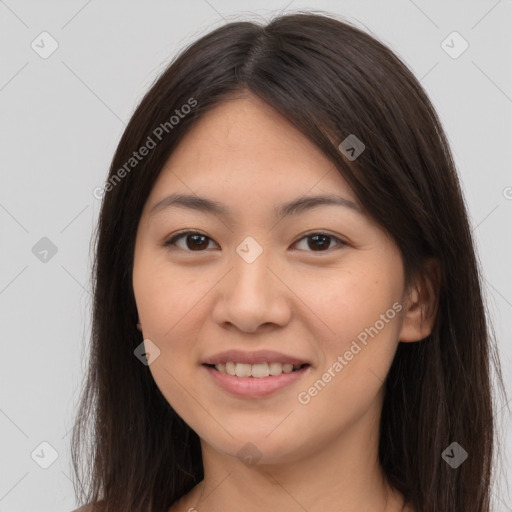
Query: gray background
x=61 y=119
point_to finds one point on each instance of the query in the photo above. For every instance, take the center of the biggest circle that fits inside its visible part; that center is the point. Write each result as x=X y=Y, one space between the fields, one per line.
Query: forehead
x=246 y=148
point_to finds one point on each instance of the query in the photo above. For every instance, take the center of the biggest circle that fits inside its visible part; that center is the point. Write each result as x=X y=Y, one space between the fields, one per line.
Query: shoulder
x=87 y=508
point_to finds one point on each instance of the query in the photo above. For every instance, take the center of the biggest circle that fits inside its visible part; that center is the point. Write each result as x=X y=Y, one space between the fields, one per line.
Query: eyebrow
x=294 y=207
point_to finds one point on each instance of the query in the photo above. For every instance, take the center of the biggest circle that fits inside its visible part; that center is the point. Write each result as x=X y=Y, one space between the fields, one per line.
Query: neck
x=343 y=472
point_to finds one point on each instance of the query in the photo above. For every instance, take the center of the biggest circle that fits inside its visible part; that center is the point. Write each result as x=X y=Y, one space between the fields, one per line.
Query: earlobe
x=422 y=304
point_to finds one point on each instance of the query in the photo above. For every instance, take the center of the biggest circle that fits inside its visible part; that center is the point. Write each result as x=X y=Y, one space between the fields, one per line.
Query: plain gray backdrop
x=71 y=75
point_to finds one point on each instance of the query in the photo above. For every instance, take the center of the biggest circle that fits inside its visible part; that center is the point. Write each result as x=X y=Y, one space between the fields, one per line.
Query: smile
x=238 y=378
x=259 y=370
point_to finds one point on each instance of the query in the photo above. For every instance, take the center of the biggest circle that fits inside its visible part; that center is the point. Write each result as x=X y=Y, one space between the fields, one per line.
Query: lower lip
x=253 y=387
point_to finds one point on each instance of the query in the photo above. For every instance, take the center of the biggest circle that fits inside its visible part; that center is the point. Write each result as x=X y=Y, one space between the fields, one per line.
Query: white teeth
x=275 y=368
x=258 y=370
x=230 y=368
x=243 y=370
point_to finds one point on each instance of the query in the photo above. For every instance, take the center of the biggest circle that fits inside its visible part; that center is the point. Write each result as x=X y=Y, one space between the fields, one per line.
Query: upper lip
x=258 y=356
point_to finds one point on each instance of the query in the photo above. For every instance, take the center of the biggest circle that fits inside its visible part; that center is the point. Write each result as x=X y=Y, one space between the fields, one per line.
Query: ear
x=422 y=303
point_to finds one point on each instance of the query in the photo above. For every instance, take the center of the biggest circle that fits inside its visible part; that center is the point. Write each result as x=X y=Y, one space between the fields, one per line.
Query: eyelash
x=172 y=241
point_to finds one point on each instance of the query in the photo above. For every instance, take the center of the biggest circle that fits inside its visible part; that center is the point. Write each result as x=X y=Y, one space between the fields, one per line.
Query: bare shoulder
x=88 y=508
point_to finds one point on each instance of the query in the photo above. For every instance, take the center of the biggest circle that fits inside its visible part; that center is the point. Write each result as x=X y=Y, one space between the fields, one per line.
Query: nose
x=252 y=295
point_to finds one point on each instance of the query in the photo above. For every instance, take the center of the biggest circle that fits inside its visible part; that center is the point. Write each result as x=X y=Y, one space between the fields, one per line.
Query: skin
x=292 y=298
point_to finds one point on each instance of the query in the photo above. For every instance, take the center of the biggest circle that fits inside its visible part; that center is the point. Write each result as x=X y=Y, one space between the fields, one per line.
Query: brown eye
x=321 y=242
x=197 y=242
x=194 y=241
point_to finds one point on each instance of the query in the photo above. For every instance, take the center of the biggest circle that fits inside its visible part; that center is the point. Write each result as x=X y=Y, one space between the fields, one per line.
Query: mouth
x=256 y=371
x=243 y=384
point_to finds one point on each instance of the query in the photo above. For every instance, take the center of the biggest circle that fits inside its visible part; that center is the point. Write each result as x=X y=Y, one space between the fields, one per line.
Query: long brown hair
x=130 y=450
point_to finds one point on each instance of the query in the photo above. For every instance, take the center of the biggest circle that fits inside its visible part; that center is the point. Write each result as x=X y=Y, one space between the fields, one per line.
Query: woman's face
x=318 y=284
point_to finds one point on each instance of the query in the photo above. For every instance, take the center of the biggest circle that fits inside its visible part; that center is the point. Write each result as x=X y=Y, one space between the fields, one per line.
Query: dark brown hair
x=130 y=450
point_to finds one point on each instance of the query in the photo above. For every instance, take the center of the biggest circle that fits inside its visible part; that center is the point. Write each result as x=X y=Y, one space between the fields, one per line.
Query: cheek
x=353 y=300
x=362 y=312
x=169 y=307
x=162 y=295
x=356 y=357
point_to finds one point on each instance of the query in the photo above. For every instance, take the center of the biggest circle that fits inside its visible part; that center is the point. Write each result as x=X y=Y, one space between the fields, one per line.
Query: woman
x=287 y=304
